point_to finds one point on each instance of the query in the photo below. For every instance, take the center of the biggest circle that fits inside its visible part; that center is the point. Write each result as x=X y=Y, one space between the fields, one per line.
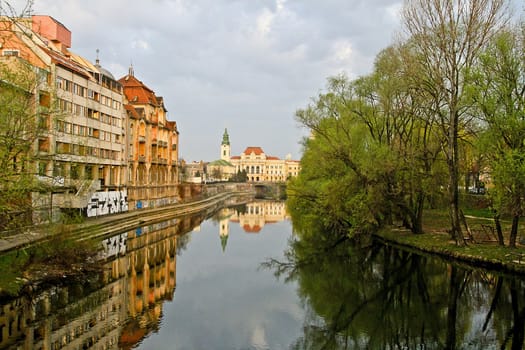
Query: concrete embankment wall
x=210 y=196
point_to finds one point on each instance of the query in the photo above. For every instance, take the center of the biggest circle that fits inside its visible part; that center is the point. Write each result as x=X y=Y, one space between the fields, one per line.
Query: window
x=68 y=85
x=74 y=171
x=79 y=90
x=59 y=83
x=88 y=174
x=42 y=168
x=14 y=53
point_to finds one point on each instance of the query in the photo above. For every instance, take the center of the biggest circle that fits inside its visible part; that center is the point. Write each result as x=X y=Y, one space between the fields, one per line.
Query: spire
x=97 y=61
x=225 y=138
x=131 y=73
x=224 y=242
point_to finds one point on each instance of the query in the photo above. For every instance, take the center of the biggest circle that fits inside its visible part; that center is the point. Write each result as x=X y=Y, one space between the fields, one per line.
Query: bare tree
x=448 y=36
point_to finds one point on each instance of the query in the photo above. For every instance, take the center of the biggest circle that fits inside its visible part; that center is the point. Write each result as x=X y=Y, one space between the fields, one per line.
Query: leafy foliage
x=20 y=127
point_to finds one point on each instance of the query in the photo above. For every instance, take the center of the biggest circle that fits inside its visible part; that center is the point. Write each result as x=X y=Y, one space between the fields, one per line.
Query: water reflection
x=384 y=298
x=113 y=310
x=251 y=217
x=121 y=307
x=336 y=296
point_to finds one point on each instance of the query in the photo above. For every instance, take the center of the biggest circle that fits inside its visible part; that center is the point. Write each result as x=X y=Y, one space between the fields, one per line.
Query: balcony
x=142 y=139
x=142 y=159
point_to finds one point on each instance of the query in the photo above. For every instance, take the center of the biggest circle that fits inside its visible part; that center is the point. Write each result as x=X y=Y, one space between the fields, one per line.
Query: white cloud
x=342 y=50
x=244 y=65
x=140 y=44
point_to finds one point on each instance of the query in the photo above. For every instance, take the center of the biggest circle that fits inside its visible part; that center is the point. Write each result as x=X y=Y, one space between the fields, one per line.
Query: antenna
x=98 y=61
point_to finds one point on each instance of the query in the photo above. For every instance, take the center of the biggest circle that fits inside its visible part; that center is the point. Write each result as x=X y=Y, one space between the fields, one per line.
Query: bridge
x=270 y=190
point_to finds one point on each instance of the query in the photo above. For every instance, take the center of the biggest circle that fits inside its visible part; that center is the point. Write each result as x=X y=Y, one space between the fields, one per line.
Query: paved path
x=107 y=224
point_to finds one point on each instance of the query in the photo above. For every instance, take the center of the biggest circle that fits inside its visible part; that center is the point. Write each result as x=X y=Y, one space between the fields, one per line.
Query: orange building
x=152 y=147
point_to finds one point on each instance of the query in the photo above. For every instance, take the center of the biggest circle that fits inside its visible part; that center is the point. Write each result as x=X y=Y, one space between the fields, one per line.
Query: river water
x=200 y=282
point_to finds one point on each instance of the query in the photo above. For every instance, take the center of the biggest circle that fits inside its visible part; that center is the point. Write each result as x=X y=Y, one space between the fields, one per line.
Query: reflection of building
x=251 y=218
x=114 y=312
x=260 y=213
x=224 y=227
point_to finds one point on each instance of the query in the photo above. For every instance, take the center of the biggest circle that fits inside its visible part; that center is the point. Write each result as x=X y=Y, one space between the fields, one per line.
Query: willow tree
x=394 y=104
x=499 y=93
x=341 y=186
x=448 y=36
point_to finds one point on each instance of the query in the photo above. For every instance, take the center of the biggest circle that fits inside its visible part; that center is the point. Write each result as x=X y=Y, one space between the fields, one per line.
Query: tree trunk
x=499 y=232
x=519 y=318
x=452 y=309
x=453 y=169
x=455 y=224
x=418 y=224
x=514 y=231
x=465 y=224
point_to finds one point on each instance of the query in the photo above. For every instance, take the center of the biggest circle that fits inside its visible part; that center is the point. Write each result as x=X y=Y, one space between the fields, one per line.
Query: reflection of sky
x=223 y=300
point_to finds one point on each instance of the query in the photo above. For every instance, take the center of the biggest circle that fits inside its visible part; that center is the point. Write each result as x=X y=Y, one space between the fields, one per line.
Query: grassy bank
x=483 y=251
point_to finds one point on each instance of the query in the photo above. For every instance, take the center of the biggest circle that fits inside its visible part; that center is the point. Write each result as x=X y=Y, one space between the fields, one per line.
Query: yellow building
x=152 y=146
x=258 y=166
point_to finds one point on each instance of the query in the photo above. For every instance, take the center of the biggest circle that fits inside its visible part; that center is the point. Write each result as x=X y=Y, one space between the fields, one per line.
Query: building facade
x=152 y=146
x=258 y=166
x=81 y=155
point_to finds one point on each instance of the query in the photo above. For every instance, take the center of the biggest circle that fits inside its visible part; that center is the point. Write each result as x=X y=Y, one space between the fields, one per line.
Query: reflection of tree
x=385 y=298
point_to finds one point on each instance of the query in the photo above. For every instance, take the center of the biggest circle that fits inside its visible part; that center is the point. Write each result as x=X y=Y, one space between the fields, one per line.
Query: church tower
x=225 y=146
x=224 y=232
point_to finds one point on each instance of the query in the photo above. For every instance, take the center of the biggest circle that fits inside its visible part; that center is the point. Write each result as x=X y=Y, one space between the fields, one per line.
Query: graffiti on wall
x=114 y=246
x=110 y=202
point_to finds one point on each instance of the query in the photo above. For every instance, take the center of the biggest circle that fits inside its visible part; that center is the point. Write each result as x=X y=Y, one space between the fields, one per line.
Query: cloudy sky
x=244 y=65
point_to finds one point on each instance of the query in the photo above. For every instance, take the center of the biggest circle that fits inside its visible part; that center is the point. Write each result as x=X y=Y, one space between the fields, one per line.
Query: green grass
x=482 y=252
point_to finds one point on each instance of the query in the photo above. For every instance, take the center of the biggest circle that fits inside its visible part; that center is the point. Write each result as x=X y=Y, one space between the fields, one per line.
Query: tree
x=395 y=122
x=216 y=173
x=448 y=36
x=22 y=123
x=498 y=90
x=339 y=187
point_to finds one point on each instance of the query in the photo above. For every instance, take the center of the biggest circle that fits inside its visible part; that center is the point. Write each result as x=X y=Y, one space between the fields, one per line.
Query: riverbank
x=486 y=254
x=58 y=253
x=111 y=224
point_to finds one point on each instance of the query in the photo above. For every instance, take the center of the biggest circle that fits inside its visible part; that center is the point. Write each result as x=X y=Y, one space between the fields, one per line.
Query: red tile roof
x=251 y=229
x=256 y=150
x=171 y=125
x=138 y=93
x=132 y=111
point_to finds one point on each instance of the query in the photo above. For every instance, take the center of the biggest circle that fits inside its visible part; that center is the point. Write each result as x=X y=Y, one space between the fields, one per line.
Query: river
x=201 y=282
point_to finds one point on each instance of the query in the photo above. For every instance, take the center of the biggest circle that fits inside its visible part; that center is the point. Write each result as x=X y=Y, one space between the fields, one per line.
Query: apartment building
x=81 y=155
